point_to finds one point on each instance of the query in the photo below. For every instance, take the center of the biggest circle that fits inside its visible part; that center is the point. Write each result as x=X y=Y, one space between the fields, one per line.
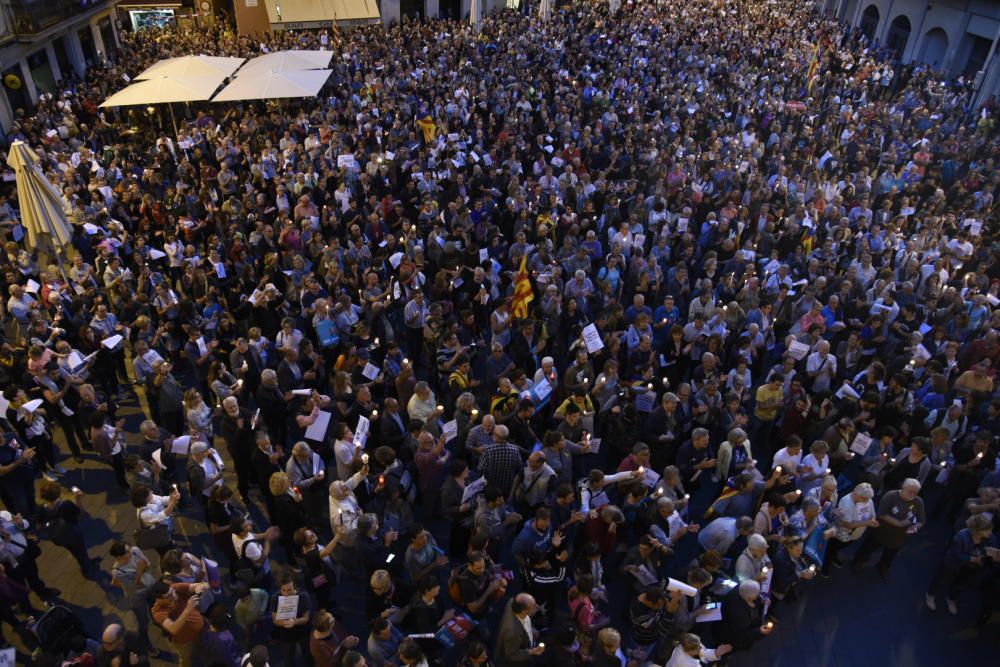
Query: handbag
x=154 y=537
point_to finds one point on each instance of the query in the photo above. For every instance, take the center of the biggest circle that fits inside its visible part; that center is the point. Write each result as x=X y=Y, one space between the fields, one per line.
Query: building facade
x=394 y=10
x=43 y=41
x=956 y=37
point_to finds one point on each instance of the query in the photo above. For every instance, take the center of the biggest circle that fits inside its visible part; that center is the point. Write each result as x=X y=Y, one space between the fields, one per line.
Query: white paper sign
x=798 y=351
x=180 y=445
x=473 y=489
x=847 y=391
x=450 y=430
x=317 y=430
x=32 y=287
x=862 y=442
x=288 y=608
x=674 y=585
x=364 y=427
x=370 y=371
x=111 y=341
x=592 y=338
x=395 y=259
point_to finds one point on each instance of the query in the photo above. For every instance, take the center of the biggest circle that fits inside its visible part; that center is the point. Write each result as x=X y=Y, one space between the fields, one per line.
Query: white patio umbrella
x=476 y=15
x=274 y=85
x=187 y=66
x=286 y=61
x=545 y=10
x=44 y=211
x=166 y=89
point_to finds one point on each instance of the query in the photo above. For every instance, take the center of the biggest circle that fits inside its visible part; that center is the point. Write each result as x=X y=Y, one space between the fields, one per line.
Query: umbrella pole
x=172 y=118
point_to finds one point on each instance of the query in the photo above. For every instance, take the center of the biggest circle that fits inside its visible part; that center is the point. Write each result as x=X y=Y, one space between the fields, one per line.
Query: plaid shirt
x=500 y=464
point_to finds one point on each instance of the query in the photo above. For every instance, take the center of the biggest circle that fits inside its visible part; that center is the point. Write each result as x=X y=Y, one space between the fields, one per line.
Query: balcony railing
x=33 y=16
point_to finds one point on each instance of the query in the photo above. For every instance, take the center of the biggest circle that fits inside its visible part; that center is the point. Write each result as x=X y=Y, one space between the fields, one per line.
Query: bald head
x=113 y=633
x=523 y=605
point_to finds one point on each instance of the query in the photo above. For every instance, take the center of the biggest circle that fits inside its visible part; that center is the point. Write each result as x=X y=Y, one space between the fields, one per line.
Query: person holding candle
x=742 y=622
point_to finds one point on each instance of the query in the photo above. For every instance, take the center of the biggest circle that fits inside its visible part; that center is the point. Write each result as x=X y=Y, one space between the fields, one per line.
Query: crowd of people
x=592 y=340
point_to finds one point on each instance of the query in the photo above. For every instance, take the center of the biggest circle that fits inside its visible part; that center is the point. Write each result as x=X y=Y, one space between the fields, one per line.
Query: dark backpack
x=245 y=569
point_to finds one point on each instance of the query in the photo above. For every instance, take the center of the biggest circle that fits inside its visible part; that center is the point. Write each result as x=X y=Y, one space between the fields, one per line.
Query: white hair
x=749 y=590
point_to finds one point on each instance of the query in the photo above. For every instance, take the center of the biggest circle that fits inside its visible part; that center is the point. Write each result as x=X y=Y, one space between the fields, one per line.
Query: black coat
x=740 y=624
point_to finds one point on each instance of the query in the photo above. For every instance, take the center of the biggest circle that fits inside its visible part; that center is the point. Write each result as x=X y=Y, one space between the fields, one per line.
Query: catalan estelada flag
x=729 y=491
x=428 y=127
x=523 y=294
x=813 y=68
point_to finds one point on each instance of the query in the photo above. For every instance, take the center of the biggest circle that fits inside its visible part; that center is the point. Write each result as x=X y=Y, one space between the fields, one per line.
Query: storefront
x=151 y=18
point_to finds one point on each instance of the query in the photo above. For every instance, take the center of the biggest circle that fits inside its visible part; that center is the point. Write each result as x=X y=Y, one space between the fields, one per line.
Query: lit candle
x=376 y=341
x=763 y=570
x=812 y=568
x=649 y=386
x=642 y=471
x=364 y=459
x=374 y=414
x=798 y=492
x=979 y=455
x=475 y=412
x=944 y=464
x=440 y=408
x=687 y=496
x=769 y=625
x=828 y=471
x=76 y=490
x=405 y=361
x=778 y=469
x=666 y=382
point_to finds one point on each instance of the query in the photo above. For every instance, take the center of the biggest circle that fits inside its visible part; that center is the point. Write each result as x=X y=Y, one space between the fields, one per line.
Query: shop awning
x=298 y=14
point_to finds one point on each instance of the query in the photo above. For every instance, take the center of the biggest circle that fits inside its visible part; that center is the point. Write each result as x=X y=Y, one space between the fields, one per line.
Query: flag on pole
x=427 y=126
x=813 y=68
x=523 y=294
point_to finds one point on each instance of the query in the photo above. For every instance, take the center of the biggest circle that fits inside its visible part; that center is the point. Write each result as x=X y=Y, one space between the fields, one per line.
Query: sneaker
x=952 y=607
x=59 y=470
x=930 y=602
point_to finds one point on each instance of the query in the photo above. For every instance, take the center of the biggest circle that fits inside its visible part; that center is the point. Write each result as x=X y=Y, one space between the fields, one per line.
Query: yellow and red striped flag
x=523 y=294
x=813 y=68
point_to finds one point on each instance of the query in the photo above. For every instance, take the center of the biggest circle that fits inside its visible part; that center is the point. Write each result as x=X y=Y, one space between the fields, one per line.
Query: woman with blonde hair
x=689 y=652
x=199 y=416
x=288 y=512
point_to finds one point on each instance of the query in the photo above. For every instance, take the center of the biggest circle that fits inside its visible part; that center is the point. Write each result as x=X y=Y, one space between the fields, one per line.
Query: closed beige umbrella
x=44 y=211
